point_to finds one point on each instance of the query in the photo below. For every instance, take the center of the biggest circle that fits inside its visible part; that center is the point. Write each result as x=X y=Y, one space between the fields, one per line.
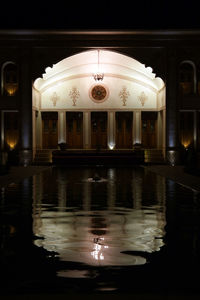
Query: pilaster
x=111 y=130
x=25 y=109
x=172 y=143
x=61 y=127
x=137 y=127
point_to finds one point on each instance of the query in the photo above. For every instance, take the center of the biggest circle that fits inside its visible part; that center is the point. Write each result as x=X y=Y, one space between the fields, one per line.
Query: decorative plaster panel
x=129 y=90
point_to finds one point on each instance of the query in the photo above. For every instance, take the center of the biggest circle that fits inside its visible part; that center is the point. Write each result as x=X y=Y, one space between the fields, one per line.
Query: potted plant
x=62 y=146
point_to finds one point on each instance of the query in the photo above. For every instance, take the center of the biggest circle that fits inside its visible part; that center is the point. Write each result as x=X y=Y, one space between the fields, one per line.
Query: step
x=43 y=156
x=153 y=156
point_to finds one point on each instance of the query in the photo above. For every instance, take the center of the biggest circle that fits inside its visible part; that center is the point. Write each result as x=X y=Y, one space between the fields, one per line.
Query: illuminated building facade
x=100 y=90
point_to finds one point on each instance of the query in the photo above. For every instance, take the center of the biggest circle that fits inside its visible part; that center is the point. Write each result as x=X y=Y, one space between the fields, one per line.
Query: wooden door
x=149 y=129
x=49 y=130
x=124 y=129
x=99 y=130
x=74 y=130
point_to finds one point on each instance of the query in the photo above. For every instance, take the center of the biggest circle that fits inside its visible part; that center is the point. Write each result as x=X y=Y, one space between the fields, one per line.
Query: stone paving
x=18 y=173
x=176 y=173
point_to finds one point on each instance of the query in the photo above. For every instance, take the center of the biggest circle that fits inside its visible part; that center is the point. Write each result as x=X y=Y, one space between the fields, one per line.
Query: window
x=9 y=79
x=187 y=78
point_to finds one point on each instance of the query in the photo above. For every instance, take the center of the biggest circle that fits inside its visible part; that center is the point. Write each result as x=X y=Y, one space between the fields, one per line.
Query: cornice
x=63 y=32
x=100 y=38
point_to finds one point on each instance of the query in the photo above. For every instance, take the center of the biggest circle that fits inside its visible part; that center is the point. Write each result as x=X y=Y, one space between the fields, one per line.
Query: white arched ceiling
x=123 y=77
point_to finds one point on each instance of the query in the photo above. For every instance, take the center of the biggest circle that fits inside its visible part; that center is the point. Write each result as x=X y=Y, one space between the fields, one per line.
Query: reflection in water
x=98 y=250
x=96 y=223
x=59 y=232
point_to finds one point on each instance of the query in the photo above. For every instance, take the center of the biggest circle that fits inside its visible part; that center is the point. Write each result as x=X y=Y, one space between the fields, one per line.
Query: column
x=34 y=130
x=160 y=130
x=61 y=127
x=39 y=130
x=172 y=144
x=87 y=130
x=164 y=132
x=111 y=130
x=195 y=129
x=137 y=125
x=2 y=130
x=25 y=109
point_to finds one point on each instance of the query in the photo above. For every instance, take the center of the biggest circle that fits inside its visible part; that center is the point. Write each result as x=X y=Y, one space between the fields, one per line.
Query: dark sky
x=97 y=14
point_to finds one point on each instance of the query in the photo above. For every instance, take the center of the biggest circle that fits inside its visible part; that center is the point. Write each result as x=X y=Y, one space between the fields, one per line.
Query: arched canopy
x=127 y=83
x=112 y=64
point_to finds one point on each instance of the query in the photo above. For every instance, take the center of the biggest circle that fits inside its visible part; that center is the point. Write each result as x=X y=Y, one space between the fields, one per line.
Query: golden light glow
x=186 y=143
x=11 y=145
x=98 y=248
x=11 y=88
x=111 y=146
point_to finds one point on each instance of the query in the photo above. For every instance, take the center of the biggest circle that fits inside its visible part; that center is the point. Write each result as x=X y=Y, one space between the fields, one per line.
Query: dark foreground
x=131 y=233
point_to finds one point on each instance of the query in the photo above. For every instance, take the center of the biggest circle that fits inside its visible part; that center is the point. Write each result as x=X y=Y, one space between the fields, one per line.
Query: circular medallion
x=98 y=93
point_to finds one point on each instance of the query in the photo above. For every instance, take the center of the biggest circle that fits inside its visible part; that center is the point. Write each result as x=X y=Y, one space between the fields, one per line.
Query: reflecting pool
x=127 y=230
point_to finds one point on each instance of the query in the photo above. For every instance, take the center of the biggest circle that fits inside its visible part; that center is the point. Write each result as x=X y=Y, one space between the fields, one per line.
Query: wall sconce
x=11 y=145
x=186 y=144
x=11 y=88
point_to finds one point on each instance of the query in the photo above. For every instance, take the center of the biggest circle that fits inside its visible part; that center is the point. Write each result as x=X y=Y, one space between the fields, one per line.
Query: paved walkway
x=177 y=174
x=18 y=173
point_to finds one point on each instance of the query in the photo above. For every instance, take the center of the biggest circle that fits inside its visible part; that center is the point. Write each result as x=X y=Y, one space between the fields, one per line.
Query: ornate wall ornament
x=124 y=94
x=98 y=93
x=143 y=98
x=54 y=98
x=74 y=95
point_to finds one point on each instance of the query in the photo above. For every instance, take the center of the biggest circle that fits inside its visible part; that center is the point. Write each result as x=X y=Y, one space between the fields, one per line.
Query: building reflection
x=98 y=252
x=151 y=219
x=16 y=214
x=95 y=222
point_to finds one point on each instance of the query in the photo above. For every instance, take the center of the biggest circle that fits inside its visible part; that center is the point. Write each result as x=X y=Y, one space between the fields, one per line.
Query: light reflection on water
x=132 y=231
x=96 y=222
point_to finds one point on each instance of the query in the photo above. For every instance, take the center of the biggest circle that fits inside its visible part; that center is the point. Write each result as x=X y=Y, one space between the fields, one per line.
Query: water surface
x=131 y=230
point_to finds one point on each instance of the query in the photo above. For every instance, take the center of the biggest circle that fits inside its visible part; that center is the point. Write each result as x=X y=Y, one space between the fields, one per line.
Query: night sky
x=140 y=14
